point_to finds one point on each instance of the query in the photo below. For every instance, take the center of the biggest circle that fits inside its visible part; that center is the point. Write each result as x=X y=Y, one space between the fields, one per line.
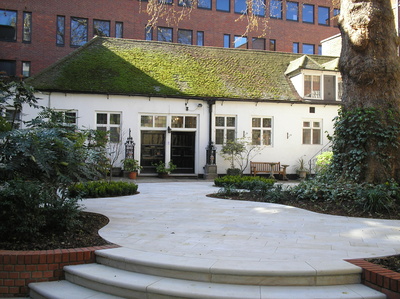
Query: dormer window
x=312 y=86
x=314 y=80
x=326 y=86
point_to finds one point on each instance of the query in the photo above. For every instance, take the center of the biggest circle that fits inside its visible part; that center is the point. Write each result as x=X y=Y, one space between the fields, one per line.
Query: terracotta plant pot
x=133 y=175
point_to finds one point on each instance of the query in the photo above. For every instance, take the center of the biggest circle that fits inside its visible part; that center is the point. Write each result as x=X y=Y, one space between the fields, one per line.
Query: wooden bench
x=268 y=167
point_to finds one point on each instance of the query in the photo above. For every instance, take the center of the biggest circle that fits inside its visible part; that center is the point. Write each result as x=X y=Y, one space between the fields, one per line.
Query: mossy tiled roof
x=133 y=67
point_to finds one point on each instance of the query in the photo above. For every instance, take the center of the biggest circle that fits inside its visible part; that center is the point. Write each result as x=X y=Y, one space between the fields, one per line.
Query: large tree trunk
x=371 y=77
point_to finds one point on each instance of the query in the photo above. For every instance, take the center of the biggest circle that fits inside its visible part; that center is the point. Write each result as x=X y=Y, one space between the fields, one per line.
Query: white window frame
x=185 y=123
x=262 y=130
x=312 y=128
x=338 y=81
x=317 y=94
x=154 y=121
x=108 y=126
x=64 y=111
x=225 y=128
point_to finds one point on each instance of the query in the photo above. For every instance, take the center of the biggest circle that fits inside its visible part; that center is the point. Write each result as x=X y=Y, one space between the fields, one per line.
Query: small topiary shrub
x=241 y=182
x=95 y=189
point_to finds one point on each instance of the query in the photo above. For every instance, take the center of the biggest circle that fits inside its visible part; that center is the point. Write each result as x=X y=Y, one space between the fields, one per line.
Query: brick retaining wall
x=378 y=278
x=19 y=268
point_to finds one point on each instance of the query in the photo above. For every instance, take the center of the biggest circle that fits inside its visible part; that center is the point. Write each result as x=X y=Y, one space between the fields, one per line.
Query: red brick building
x=36 y=33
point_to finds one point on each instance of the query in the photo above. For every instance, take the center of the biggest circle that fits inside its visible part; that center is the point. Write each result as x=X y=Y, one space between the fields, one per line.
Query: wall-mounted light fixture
x=199 y=105
x=169 y=129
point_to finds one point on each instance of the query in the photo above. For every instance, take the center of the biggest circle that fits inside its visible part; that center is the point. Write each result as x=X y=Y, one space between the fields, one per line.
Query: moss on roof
x=307 y=62
x=133 y=67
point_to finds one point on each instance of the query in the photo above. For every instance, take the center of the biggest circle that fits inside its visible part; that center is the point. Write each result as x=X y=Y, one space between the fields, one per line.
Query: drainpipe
x=210 y=150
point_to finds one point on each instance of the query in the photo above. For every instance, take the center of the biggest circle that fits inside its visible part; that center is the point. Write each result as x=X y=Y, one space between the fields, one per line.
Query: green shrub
x=258 y=188
x=240 y=181
x=366 y=197
x=29 y=210
x=277 y=194
x=228 y=190
x=94 y=189
x=324 y=160
x=378 y=198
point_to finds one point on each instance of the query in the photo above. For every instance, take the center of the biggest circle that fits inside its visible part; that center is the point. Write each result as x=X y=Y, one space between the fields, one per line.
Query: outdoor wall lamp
x=169 y=129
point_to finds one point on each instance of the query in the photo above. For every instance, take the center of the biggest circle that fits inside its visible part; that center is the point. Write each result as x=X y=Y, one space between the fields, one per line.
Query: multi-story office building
x=36 y=33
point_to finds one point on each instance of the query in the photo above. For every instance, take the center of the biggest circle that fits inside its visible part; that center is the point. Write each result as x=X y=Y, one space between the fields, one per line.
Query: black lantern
x=129 y=147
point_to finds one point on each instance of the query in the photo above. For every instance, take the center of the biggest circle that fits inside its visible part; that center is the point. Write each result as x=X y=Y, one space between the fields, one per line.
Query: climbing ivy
x=363 y=135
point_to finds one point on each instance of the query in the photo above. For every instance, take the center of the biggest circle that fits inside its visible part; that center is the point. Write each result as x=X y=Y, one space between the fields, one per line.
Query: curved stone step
x=127 y=284
x=64 y=290
x=128 y=273
x=268 y=273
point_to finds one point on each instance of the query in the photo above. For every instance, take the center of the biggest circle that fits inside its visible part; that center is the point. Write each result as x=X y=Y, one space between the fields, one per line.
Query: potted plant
x=301 y=169
x=163 y=170
x=132 y=166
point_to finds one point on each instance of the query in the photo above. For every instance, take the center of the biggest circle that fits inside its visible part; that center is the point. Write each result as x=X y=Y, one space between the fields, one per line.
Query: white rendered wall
x=288 y=119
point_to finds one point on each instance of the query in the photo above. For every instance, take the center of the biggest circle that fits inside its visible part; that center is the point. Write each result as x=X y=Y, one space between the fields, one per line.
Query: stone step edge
x=135 y=285
x=228 y=271
x=62 y=288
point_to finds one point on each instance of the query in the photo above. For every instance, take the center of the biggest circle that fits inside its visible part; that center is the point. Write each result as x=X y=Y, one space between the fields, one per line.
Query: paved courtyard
x=178 y=219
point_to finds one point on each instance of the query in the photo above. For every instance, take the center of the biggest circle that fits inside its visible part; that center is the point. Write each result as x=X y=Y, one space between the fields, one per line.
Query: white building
x=177 y=100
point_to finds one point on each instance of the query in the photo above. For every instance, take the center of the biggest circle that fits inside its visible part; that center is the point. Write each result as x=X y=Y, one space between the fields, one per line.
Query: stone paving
x=176 y=218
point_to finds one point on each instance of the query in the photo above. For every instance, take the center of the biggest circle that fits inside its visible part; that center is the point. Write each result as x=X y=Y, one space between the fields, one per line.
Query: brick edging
x=378 y=278
x=19 y=268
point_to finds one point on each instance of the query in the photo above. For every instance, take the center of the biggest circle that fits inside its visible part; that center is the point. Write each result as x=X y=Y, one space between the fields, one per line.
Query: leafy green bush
x=262 y=190
x=367 y=197
x=28 y=210
x=229 y=190
x=102 y=189
x=37 y=164
x=240 y=181
x=324 y=160
x=378 y=198
x=363 y=144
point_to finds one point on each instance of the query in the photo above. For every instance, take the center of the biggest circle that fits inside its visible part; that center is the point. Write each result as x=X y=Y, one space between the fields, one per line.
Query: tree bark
x=370 y=69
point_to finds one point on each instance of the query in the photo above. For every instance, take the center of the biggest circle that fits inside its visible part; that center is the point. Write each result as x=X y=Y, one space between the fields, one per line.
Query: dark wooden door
x=183 y=151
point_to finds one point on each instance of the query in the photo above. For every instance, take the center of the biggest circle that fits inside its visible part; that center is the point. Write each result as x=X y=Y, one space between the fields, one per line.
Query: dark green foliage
x=257 y=188
x=4 y=125
x=362 y=196
x=229 y=190
x=102 y=189
x=14 y=94
x=239 y=181
x=257 y=191
x=28 y=210
x=364 y=139
x=37 y=165
x=360 y=174
x=378 y=198
x=54 y=156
